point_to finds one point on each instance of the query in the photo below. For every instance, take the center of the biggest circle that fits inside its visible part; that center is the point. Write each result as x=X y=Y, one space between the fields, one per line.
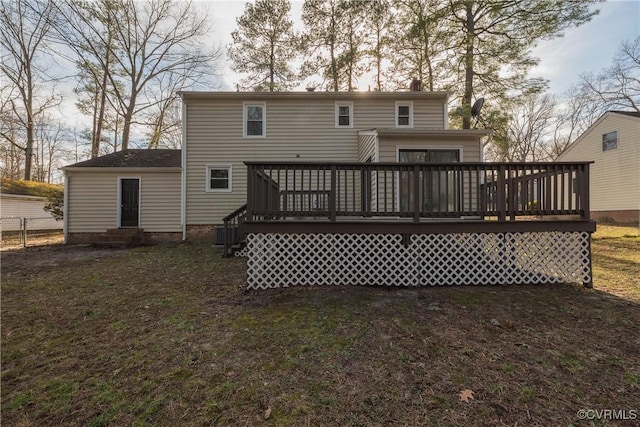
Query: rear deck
x=405 y=224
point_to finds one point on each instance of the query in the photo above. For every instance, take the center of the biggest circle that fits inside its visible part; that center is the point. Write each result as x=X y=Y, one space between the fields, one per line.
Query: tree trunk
x=28 y=152
x=126 y=126
x=95 y=146
x=468 y=72
x=272 y=61
x=427 y=57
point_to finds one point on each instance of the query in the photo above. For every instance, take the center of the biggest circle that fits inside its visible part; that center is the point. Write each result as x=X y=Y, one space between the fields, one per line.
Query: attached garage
x=128 y=193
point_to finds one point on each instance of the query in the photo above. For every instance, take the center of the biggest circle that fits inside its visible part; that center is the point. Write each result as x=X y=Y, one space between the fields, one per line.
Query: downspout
x=65 y=207
x=484 y=145
x=183 y=186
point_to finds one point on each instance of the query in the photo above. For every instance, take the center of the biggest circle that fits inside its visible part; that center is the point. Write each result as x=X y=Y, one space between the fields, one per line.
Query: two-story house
x=223 y=130
x=358 y=188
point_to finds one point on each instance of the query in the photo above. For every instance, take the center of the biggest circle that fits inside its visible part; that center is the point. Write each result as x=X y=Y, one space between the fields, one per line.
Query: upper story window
x=610 y=141
x=219 y=178
x=404 y=114
x=255 y=120
x=344 y=114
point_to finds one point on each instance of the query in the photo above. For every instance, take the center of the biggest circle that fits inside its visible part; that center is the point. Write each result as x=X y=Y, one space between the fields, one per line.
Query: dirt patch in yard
x=50 y=255
x=166 y=335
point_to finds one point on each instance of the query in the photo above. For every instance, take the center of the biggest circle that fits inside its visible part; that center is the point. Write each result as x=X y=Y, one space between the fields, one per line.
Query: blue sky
x=588 y=48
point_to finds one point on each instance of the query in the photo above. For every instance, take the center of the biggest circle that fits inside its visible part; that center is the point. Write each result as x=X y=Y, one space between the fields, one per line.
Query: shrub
x=55 y=203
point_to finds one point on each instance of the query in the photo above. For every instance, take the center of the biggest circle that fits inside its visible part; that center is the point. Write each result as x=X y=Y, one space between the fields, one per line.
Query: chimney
x=415 y=85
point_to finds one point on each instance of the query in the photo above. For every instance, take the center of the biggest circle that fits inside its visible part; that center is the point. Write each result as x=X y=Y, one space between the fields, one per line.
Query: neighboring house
x=138 y=189
x=25 y=199
x=343 y=188
x=613 y=144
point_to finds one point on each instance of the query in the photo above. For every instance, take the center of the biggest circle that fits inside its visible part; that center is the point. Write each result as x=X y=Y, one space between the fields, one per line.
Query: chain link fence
x=16 y=231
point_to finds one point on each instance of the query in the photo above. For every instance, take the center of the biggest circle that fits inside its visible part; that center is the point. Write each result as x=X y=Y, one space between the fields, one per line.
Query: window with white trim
x=255 y=123
x=344 y=114
x=610 y=141
x=404 y=114
x=219 y=178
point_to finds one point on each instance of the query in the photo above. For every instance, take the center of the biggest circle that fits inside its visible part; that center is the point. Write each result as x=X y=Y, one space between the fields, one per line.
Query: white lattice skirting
x=280 y=260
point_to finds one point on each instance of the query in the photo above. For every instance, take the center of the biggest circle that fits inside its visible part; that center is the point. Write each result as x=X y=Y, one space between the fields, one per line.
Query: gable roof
x=134 y=158
x=628 y=114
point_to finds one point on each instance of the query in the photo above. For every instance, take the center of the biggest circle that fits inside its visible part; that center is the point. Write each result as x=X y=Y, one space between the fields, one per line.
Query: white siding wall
x=615 y=175
x=26 y=207
x=300 y=130
x=93 y=201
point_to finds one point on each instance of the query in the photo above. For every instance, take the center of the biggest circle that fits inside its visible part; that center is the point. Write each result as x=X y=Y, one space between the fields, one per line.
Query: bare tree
x=87 y=29
x=577 y=109
x=161 y=120
x=528 y=127
x=145 y=41
x=52 y=149
x=618 y=86
x=166 y=131
x=25 y=25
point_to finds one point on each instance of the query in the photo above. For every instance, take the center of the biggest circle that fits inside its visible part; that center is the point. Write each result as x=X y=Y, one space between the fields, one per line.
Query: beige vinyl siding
x=389 y=145
x=93 y=200
x=615 y=175
x=296 y=130
x=367 y=146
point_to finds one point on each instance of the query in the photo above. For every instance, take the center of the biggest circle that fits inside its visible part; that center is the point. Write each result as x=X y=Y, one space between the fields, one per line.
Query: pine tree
x=334 y=41
x=495 y=39
x=264 y=45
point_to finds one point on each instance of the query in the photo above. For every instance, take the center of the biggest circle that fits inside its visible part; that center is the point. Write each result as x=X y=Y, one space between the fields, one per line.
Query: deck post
x=250 y=191
x=584 y=196
x=332 y=195
x=501 y=202
x=227 y=245
x=512 y=185
x=416 y=193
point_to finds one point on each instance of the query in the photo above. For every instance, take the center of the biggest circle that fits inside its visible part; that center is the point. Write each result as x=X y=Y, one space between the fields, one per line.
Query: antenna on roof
x=475 y=110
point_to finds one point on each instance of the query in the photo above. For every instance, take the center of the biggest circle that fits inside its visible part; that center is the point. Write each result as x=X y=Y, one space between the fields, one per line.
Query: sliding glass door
x=438 y=189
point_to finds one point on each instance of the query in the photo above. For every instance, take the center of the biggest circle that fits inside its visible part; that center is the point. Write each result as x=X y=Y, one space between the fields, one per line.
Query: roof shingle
x=134 y=158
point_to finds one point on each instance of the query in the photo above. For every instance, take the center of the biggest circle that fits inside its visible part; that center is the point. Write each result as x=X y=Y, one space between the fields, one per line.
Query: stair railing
x=233 y=234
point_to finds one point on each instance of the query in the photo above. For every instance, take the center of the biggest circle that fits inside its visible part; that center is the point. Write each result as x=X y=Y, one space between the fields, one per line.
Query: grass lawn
x=165 y=336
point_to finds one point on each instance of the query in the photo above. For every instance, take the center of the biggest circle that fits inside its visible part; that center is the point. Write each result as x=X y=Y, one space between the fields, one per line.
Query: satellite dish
x=477 y=106
x=475 y=110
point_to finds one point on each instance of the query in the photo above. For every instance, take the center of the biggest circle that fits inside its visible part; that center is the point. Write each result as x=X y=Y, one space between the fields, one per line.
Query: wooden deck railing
x=233 y=233
x=504 y=191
